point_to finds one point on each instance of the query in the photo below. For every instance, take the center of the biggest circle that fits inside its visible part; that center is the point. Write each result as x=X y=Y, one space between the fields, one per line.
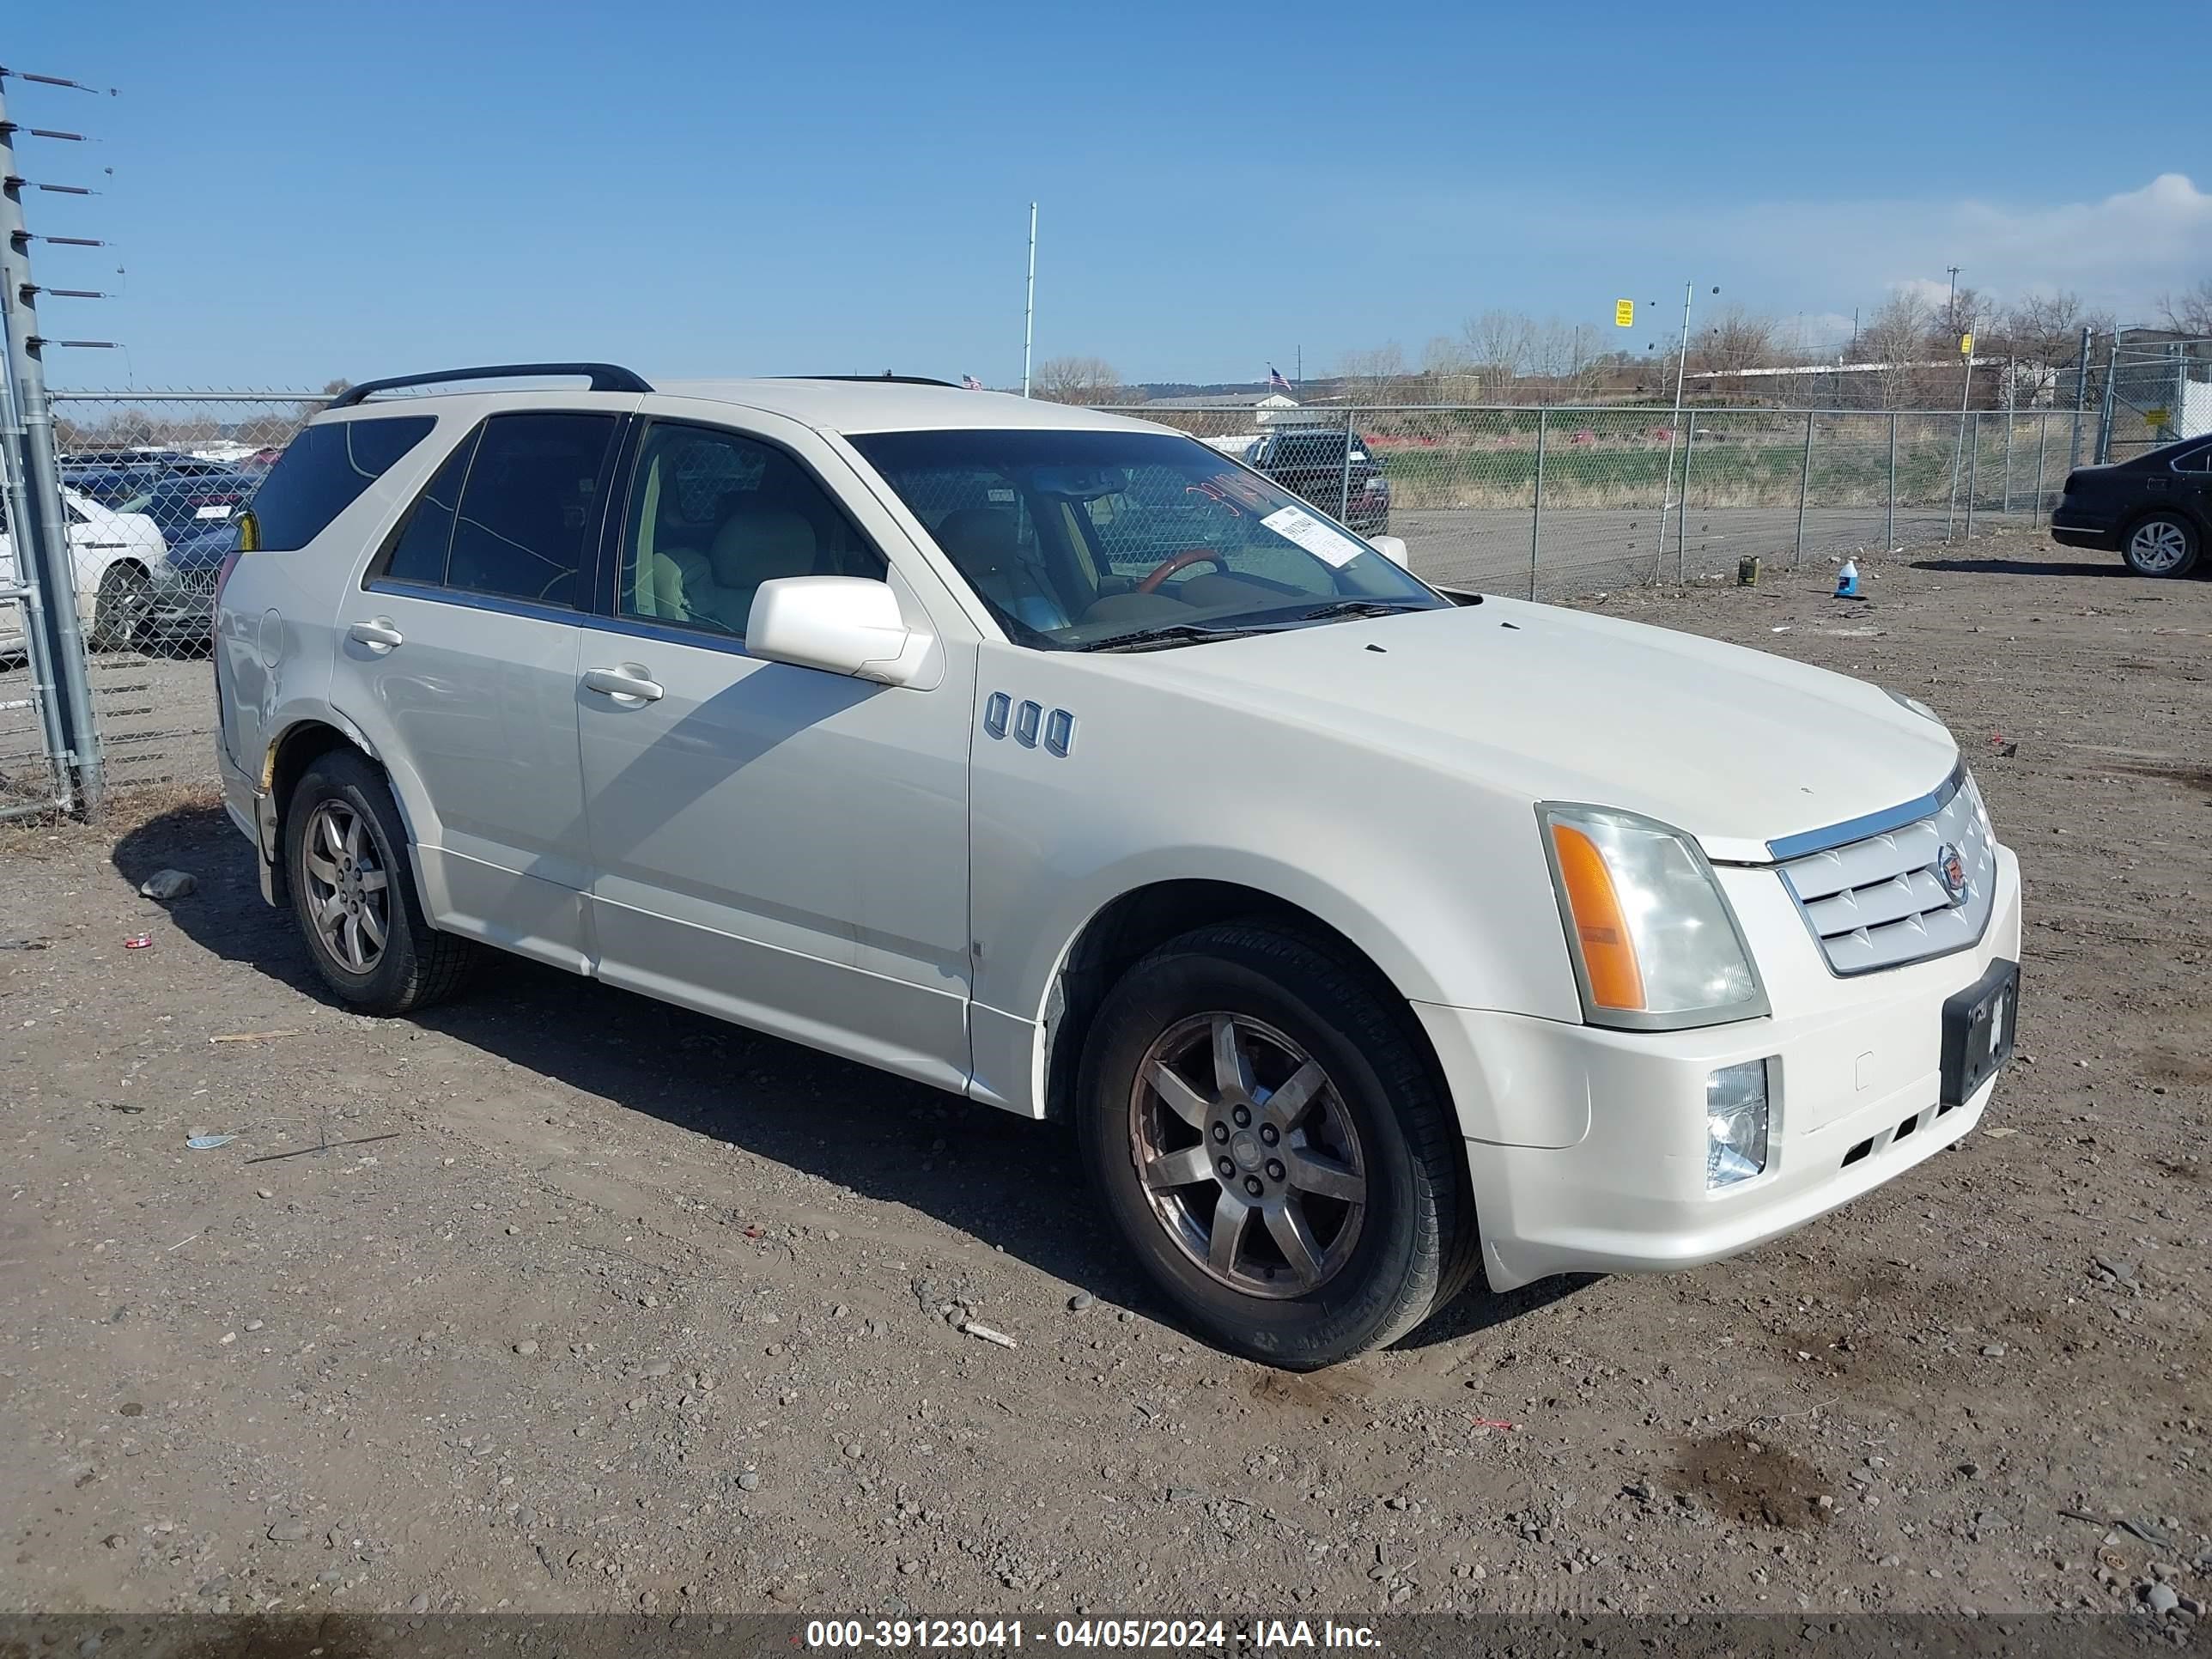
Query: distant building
x=1262 y=406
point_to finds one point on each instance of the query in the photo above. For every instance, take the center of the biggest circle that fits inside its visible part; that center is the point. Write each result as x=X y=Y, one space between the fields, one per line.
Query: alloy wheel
x=2157 y=547
x=1247 y=1154
x=349 y=890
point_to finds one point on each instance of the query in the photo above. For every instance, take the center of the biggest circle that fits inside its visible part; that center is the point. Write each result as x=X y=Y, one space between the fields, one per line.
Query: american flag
x=970 y=383
x=1275 y=381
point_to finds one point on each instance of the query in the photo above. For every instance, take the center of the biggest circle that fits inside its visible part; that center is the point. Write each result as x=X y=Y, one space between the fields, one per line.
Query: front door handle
x=378 y=635
x=626 y=684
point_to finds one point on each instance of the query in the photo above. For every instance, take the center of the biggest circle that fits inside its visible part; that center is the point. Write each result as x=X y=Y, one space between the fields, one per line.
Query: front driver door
x=775 y=845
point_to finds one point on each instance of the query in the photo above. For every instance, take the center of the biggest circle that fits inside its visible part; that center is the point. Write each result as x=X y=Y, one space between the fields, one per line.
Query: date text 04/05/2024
x=832 y=1634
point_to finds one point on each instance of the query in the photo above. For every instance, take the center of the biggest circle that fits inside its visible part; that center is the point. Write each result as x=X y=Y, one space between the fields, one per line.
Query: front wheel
x=1269 y=1141
x=120 y=608
x=2161 y=545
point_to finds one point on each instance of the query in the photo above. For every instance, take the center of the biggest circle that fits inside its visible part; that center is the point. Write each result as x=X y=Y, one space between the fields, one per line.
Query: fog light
x=1736 y=1123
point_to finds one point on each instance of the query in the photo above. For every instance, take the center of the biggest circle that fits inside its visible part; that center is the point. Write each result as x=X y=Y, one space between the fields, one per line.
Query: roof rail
x=885 y=378
x=605 y=377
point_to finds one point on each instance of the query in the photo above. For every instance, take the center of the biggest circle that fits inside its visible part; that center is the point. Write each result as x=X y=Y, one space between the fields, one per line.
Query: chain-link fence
x=2154 y=391
x=1546 y=501
x=1551 y=501
x=152 y=486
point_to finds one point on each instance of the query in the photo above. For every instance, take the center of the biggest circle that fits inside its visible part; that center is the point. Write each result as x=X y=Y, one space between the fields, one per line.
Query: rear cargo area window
x=324 y=470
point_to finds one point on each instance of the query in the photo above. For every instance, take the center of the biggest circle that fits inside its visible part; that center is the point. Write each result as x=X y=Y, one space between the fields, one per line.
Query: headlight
x=1653 y=943
x=1916 y=706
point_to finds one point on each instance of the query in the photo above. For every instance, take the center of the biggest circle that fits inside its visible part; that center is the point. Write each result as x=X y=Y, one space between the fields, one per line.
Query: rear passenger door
x=456 y=655
x=776 y=845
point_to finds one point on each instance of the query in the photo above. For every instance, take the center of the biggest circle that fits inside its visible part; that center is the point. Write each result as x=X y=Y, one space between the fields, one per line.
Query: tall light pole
x=1029 y=305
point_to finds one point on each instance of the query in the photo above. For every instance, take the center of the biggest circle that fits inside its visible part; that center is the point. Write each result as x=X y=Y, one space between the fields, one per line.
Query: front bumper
x=1857 y=1060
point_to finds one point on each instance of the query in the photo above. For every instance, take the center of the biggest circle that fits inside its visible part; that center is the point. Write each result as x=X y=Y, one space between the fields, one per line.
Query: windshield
x=1082 y=539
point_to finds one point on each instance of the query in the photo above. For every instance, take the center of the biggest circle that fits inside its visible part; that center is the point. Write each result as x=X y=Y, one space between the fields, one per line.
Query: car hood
x=1736 y=747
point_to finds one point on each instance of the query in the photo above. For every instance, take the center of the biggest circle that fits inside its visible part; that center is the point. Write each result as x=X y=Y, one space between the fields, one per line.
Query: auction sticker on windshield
x=1329 y=545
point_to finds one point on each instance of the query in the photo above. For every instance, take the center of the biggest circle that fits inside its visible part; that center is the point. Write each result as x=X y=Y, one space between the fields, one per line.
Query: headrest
x=980 y=538
x=761 y=542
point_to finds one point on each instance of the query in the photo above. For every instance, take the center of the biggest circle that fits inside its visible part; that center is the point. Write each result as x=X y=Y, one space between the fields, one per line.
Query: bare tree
x=1077 y=380
x=2190 y=311
x=1501 y=342
x=2044 y=329
x=1896 y=338
x=1736 y=340
x=1377 y=375
x=1448 y=372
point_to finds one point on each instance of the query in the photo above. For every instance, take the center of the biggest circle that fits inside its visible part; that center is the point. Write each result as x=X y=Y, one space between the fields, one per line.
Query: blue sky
x=300 y=191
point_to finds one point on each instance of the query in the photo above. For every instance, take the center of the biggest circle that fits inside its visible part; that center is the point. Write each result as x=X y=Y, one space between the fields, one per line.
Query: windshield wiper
x=1166 y=638
x=1361 y=608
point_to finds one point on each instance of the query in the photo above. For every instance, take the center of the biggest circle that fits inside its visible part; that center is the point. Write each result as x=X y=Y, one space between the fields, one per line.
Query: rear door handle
x=378 y=635
x=625 y=684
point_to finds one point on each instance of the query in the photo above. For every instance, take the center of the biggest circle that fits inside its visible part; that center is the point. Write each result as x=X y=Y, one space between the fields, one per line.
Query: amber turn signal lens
x=1609 y=952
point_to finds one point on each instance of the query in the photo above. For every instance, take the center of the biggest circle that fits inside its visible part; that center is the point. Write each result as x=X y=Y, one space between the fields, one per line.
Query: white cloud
x=2121 y=252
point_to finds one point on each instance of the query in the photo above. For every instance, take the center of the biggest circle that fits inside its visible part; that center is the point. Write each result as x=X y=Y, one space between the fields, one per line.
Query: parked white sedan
x=115 y=555
x=1376 y=943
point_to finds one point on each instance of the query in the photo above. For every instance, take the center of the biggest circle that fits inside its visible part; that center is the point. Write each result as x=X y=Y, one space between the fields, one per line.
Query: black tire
x=1416 y=1245
x=120 y=608
x=415 y=965
x=2149 y=544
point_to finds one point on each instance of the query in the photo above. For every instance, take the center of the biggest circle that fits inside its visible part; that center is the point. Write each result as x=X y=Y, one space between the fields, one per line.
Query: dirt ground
x=559 y=1299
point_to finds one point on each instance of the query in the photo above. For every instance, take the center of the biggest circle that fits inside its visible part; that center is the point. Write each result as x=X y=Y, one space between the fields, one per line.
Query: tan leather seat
x=756 y=544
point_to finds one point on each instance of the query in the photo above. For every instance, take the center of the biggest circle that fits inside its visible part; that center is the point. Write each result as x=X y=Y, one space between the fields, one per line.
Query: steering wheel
x=1183 y=561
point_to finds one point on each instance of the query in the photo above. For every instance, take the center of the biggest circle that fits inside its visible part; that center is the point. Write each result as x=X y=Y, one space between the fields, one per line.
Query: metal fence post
x=41 y=537
x=1973 y=467
x=1344 y=494
x=1536 y=518
x=1889 y=529
x=2105 y=406
x=2081 y=397
x=2042 y=439
x=2007 y=507
x=1804 y=488
x=1682 y=507
x=25 y=591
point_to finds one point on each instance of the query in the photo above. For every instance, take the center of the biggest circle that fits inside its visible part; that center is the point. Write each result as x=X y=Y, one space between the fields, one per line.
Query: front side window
x=712 y=516
x=324 y=470
x=1078 y=539
x=530 y=509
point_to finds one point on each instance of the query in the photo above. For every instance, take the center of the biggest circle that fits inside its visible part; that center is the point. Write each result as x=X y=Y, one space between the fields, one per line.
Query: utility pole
x=1666 y=484
x=41 y=535
x=1951 y=305
x=1958 y=452
x=1028 y=306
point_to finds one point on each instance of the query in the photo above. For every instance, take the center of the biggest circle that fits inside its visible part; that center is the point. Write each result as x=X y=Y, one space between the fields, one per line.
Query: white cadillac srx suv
x=1374 y=938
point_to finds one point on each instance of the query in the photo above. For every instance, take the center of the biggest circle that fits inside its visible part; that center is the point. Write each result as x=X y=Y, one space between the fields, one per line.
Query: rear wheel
x=120 y=606
x=2163 y=545
x=1269 y=1141
x=353 y=891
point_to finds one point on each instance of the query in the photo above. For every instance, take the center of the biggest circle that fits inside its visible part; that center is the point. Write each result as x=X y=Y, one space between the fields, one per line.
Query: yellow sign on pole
x=1623 y=313
x=1965 y=345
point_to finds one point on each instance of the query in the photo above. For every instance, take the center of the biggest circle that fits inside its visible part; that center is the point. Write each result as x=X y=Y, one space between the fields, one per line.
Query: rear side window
x=323 y=470
x=530 y=507
x=419 y=552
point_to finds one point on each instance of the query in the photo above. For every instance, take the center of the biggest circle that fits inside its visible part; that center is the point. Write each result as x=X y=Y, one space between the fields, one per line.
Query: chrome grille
x=1879 y=900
